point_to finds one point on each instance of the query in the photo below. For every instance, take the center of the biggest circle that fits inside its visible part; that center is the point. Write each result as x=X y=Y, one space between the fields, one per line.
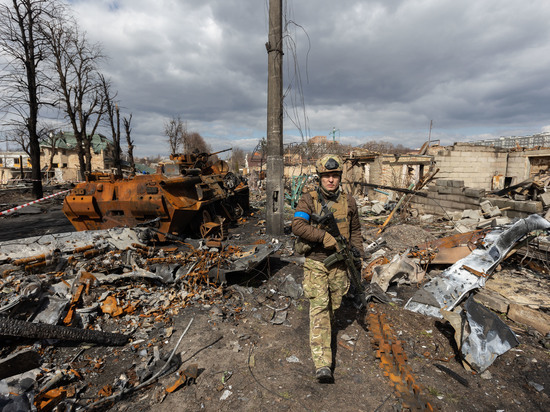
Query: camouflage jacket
x=303 y=227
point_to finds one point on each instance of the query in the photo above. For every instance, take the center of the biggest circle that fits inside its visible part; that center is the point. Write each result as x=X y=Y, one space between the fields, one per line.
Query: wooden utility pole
x=275 y=167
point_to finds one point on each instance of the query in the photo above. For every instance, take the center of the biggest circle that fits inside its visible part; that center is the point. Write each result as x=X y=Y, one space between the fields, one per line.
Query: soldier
x=325 y=287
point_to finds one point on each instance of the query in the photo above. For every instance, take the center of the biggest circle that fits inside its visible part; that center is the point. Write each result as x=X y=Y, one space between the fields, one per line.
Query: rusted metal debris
x=393 y=361
x=22 y=329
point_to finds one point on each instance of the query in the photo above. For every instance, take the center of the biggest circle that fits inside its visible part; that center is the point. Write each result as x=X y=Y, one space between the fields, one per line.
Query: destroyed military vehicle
x=188 y=196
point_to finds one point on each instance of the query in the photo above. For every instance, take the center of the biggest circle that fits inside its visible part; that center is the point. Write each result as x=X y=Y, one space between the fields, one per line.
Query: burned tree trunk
x=22 y=329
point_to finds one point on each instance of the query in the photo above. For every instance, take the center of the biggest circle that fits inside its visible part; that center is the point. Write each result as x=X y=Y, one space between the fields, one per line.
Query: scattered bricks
x=545 y=198
x=492 y=300
x=530 y=317
x=471 y=192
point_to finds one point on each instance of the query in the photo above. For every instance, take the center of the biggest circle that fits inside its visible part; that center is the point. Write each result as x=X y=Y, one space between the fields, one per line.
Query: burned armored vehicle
x=189 y=196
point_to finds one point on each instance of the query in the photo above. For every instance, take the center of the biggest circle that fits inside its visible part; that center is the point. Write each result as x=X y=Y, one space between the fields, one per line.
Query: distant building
x=510 y=142
x=14 y=166
x=65 y=160
x=65 y=166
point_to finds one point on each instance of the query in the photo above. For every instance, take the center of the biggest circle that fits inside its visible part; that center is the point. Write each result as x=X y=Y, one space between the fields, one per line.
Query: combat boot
x=324 y=375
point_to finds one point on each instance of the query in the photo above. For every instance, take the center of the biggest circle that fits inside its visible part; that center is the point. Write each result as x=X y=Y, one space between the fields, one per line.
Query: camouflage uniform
x=325 y=287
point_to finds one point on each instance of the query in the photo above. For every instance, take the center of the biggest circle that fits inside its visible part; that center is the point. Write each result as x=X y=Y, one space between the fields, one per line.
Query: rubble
x=471 y=272
x=83 y=279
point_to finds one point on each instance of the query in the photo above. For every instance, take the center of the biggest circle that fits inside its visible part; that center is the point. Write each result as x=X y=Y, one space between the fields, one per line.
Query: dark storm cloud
x=380 y=69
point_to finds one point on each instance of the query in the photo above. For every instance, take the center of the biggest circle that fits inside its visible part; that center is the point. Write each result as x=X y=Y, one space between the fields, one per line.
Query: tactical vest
x=339 y=209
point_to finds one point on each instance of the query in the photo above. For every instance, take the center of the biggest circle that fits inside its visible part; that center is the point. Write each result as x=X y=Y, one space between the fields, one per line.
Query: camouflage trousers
x=324 y=288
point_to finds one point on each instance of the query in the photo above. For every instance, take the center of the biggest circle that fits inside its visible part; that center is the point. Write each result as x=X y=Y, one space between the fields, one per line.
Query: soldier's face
x=330 y=181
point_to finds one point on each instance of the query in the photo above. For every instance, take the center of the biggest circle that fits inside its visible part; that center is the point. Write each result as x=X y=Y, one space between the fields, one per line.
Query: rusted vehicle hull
x=176 y=205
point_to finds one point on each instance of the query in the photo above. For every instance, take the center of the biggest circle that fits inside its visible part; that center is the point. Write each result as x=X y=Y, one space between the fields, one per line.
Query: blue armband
x=303 y=215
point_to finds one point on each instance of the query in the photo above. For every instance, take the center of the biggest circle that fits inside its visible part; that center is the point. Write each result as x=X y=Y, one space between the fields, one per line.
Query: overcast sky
x=374 y=70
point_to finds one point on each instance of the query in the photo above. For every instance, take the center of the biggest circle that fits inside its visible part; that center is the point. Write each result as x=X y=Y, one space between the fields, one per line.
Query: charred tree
x=127 y=122
x=25 y=46
x=113 y=119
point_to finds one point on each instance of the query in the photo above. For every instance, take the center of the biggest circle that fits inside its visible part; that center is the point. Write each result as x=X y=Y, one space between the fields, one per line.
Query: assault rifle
x=344 y=252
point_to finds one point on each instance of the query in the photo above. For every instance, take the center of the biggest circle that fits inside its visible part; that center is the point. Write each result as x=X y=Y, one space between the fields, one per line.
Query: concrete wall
x=477 y=165
x=474 y=165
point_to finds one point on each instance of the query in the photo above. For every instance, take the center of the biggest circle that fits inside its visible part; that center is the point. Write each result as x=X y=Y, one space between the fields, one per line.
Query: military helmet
x=329 y=163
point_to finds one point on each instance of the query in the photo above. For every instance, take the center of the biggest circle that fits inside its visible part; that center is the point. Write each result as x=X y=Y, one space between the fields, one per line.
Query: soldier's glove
x=329 y=242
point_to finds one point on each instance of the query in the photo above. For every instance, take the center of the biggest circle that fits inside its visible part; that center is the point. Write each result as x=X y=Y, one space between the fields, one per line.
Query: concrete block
x=460 y=228
x=500 y=202
x=501 y=221
x=471 y=192
x=442 y=182
x=486 y=206
x=469 y=221
x=456 y=190
x=483 y=223
x=495 y=211
x=492 y=300
x=471 y=214
x=545 y=198
x=457 y=183
x=530 y=317
x=444 y=189
x=529 y=206
x=455 y=216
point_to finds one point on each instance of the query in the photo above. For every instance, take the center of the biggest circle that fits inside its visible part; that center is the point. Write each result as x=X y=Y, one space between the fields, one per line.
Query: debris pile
x=105 y=287
x=481 y=336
